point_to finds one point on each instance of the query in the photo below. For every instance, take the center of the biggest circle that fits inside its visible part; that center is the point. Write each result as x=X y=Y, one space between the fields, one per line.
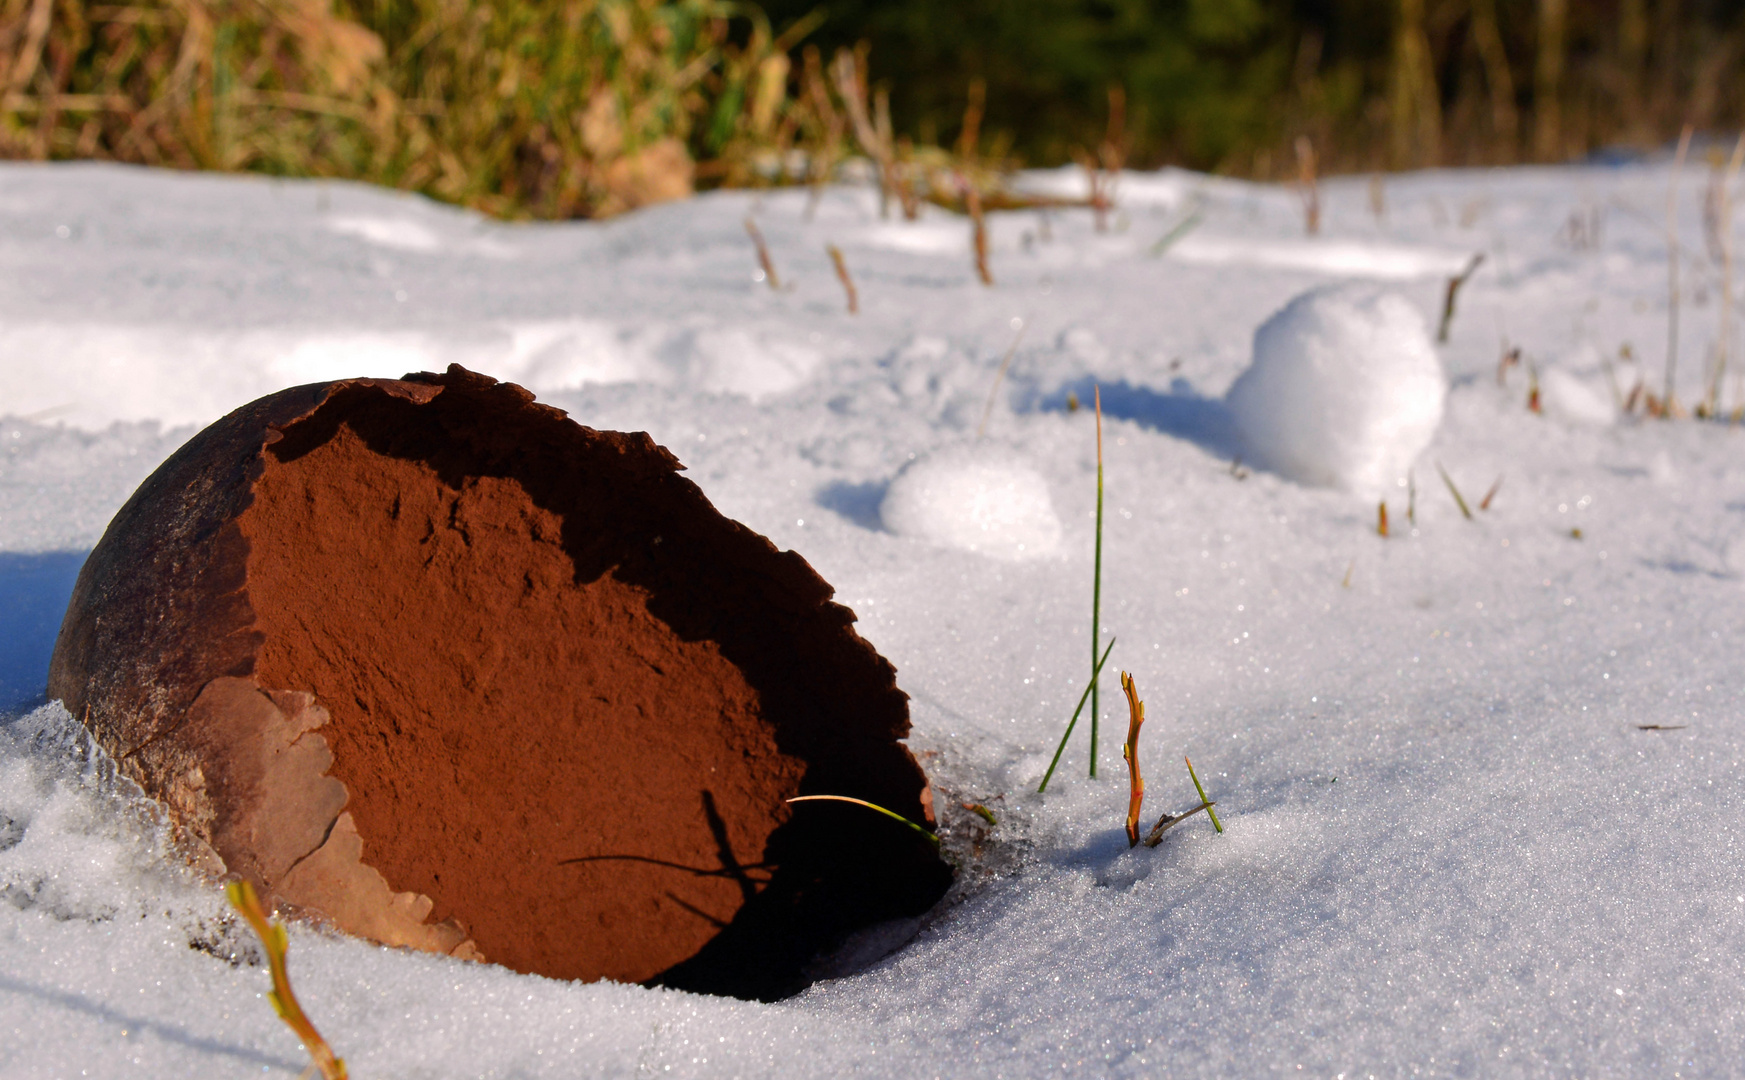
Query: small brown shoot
x=1136 y=787
x=1533 y=403
x=1465 y=511
x=1411 y=498
x=1378 y=204
x=892 y=814
x=763 y=259
x=1575 y=534
x=1346 y=582
x=1661 y=727
x=1381 y=518
x=243 y=898
x=1485 y=503
x=980 y=811
x=1453 y=291
x=841 y=265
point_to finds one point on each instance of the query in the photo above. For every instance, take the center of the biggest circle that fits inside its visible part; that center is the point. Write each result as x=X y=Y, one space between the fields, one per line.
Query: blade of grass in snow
x=1180 y=229
x=1096 y=586
x=1211 y=813
x=1459 y=501
x=1075 y=717
x=893 y=815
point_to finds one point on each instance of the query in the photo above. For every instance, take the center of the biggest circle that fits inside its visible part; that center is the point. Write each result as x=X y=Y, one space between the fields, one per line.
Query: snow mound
x=1574 y=398
x=1344 y=391
x=977 y=498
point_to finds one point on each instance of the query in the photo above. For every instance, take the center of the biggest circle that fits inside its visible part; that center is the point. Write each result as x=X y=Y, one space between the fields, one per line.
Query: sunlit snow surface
x=1450 y=849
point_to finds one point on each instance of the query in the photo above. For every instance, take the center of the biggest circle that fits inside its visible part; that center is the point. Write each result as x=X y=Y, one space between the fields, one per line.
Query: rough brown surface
x=559 y=699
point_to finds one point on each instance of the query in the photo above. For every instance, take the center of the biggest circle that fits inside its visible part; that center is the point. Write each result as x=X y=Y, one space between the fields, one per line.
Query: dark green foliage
x=1229 y=84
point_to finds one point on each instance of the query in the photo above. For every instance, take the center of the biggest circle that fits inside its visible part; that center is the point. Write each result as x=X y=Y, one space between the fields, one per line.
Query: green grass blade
x=893 y=815
x=1454 y=491
x=1075 y=717
x=1211 y=813
x=1097 y=588
x=1180 y=229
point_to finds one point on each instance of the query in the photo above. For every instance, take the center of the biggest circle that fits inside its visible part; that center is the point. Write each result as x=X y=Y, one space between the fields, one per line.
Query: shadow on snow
x=34 y=590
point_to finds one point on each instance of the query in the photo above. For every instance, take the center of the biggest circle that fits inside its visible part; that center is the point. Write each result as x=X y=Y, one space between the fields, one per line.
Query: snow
x=1345 y=389
x=977 y=498
x=1451 y=846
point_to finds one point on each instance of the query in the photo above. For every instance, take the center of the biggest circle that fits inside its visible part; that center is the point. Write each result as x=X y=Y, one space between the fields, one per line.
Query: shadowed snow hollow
x=1344 y=391
x=977 y=498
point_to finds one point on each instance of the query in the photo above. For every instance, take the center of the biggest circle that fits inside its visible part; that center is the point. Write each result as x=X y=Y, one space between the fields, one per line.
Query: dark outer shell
x=552 y=672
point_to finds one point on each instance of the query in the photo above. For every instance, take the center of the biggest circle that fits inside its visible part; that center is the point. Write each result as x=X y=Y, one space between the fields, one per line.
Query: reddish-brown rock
x=453 y=672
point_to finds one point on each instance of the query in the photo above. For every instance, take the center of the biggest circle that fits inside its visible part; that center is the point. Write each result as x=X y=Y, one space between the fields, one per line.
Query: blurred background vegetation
x=589 y=107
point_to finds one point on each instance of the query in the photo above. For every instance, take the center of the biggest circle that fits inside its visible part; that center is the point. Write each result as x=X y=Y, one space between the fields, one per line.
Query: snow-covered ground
x=1456 y=842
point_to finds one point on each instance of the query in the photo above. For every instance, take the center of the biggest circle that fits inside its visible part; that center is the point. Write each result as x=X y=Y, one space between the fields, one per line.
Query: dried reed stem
x=979 y=230
x=1169 y=821
x=1668 y=400
x=1724 y=229
x=763 y=259
x=1308 y=187
x=841 y=265
x=1448 y=297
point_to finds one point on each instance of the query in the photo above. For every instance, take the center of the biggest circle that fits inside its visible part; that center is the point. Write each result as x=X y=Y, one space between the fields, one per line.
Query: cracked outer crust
x=156 y=655
x=213 y=709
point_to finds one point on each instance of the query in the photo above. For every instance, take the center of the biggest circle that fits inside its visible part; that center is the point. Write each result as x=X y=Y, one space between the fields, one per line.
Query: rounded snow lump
x=1344 y=391
x=977 y=498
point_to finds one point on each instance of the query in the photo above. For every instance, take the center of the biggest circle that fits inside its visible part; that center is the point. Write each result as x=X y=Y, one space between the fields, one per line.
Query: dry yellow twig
x=272 y=934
